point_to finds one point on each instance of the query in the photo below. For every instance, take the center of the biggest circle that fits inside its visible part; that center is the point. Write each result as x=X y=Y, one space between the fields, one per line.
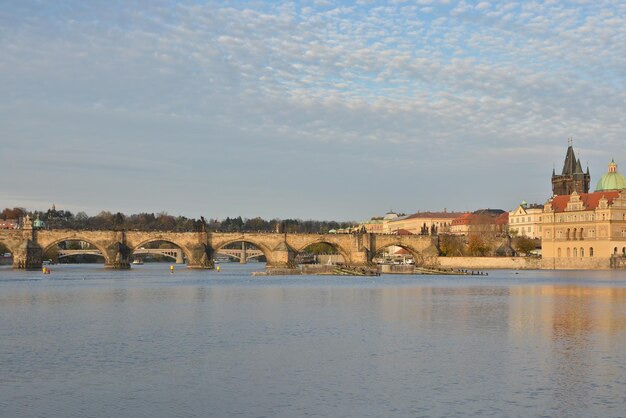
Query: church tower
x=572 y=178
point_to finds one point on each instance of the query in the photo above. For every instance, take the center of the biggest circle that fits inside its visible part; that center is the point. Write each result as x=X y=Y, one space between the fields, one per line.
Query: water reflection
x=151 y=343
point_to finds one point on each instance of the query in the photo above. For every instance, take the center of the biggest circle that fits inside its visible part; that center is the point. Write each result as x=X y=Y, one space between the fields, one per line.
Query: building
x=484 y=221
x=587 y=230
x=525 y=220
x=377 y=225
x=8 y=223
x=425 y=223
x=572 y=178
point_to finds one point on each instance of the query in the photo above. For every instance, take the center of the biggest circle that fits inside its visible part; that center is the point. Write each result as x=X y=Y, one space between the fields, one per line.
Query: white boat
x=137 y=261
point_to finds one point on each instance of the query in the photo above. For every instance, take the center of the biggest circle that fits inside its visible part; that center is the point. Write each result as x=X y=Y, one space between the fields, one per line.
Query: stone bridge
x=280 y=249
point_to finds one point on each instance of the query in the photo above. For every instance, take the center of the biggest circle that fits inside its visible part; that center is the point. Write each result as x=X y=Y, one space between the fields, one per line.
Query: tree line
x=162 y=221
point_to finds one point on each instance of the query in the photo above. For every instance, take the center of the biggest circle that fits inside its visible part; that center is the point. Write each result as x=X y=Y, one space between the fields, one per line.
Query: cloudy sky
x=312 y=109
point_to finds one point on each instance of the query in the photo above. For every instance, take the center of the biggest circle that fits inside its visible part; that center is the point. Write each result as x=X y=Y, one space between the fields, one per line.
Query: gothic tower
x=572 y=178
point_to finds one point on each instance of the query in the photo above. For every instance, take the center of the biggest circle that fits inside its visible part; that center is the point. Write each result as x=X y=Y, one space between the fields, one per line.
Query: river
x=85 y=341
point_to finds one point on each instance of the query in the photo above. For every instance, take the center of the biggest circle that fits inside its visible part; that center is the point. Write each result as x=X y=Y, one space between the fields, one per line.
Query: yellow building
x=525 y=221
x=587 y=230
x=423 y=223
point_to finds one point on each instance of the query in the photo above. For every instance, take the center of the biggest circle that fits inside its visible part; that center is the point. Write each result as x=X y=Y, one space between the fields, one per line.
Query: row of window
x=574 y=252
x=523 y=219
x=586 y=217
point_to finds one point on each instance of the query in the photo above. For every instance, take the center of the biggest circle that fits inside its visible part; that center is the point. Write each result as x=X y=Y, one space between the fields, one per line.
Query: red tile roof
x=503 y=219
x=590 y=200
x=464 y=219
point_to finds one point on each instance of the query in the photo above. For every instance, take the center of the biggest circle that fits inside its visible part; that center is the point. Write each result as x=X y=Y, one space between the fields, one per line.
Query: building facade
x=483 y=221
x=587 y=230
x=526 y=221
x=425 y=223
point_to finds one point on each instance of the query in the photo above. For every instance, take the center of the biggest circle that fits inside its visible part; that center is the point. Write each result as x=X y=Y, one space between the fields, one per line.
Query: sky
x=314 y=109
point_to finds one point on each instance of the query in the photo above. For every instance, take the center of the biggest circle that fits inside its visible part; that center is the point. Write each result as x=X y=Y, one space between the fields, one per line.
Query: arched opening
x=582 y=252
x=575 y=252
x=241 y=251
x=321 y=252
x=73 y=251
x=615 y=251
x=397 y=258
x=590 y=251
x=6 y=255
x=567 y=234
x=158 y=251
x=558 y=252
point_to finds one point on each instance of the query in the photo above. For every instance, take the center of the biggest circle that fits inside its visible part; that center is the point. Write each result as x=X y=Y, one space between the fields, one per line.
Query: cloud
x=445 y=80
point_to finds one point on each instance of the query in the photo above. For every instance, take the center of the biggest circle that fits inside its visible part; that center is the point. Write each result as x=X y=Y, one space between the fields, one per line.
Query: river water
x=84 y=341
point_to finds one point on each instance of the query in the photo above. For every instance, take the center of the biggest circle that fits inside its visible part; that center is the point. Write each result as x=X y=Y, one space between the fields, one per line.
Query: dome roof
x=611 y=180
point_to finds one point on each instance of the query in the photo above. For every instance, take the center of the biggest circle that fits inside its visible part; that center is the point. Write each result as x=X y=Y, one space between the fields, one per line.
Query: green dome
x=611 y=180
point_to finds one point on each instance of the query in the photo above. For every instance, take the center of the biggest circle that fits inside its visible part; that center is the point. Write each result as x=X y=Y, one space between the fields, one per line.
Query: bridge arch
x=5 y=244
x=57 y=241
x=5 y=247
x=267 y=252
x=418 y=256
x=340 y=250
x=186 y=251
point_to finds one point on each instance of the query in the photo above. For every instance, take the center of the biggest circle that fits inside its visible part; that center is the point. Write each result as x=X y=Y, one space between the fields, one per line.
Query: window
x=582 y=252
x=567 y=234
x=575 y=251
x=568 y=252
x=590 y=251
x=558 y=252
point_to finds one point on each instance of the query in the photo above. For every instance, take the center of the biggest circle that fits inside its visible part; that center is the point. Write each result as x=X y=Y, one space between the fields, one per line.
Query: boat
x=137 y=261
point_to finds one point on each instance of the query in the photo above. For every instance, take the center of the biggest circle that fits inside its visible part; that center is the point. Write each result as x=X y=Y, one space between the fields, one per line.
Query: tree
x=523 y=244
x=14 y=213
x=320 y=248
x=451 y=245
x=476 y=246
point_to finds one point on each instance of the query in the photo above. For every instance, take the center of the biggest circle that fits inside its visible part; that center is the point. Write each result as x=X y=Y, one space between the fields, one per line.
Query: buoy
x=218 y=268
x=172 y=268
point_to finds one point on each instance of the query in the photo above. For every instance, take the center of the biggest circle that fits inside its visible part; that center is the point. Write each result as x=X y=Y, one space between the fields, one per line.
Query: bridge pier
x=201 y=257
x=117 y=256
x=244 y=257
x=28 y=256
x=282 y=258
x=359 y=258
